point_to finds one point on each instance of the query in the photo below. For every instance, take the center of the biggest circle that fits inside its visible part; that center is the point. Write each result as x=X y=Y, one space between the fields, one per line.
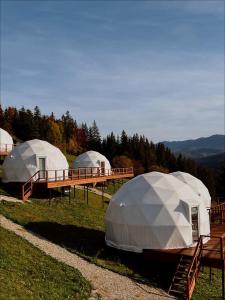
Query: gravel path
x=109 y=285
x=10 y=199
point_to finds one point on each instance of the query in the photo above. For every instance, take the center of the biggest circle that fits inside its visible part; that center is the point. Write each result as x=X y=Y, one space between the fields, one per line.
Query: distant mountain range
x=209 y=151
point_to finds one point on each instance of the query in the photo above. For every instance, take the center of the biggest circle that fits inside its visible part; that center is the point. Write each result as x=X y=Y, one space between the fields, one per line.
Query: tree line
x=122 y=150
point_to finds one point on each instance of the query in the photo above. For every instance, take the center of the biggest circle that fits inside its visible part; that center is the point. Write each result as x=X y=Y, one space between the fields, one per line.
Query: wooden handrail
x=89 y=172
x=28 y=186
x=194 y=268
x=217 y=213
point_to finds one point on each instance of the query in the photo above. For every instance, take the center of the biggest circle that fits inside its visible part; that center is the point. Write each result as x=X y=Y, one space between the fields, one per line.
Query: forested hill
x=122 y=151
x=199 y=148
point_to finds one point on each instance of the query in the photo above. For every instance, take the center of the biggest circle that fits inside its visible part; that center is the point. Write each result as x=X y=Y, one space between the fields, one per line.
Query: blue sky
x=152 y=67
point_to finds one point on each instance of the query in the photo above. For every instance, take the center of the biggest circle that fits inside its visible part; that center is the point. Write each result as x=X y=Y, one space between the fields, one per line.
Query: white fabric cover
x=5 y=139
x=22 y=163
x=91 y=159
x=153 y=211
x=196 y=185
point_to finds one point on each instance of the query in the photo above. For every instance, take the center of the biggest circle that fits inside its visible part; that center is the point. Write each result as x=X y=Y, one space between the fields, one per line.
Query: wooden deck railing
x=217 y=213
x=5 y=149
x=194 y=268
x=219 y=249
x=82 y=173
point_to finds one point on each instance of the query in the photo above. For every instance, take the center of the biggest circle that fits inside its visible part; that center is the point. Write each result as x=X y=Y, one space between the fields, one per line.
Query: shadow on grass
x=91 y=244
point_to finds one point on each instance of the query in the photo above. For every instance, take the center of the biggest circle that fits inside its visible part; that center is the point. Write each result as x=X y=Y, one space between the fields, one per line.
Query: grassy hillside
x=27 y=273
x=80 y=228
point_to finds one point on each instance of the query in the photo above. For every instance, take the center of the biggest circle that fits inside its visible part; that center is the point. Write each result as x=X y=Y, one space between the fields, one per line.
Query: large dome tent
x=92 y=161
x=155 y=211
x=32 y=156
x=196 y=185
x=6 y=141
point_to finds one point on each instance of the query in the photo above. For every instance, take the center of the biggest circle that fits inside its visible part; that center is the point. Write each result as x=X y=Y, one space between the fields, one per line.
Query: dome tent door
x=102 y=164
x=42 y=167
x=194 y=222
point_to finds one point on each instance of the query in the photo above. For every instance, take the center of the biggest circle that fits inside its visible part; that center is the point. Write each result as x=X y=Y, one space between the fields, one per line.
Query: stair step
x=181 y=271
x=185 y=264
x=177 y=292
x=179 y=284
x=179 y=278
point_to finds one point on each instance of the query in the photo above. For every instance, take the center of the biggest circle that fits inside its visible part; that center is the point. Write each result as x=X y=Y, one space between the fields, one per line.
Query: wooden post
x=114 y=186
x=103 y=194
x=221 y=248
x=50 y=196
x=63 y=174
x=87 y=194
x=74 y=191
x=23 y=193
x=84 y=192
x=69 y=194
x=210 y=275
x=223 y=287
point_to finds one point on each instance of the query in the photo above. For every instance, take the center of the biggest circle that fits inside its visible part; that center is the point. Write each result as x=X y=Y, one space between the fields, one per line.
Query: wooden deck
x=64 y=178
x=87 y=180
x=213 y=251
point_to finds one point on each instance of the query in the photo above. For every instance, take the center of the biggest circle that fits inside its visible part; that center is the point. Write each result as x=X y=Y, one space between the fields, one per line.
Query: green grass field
x=27 y=273
x=80 y=228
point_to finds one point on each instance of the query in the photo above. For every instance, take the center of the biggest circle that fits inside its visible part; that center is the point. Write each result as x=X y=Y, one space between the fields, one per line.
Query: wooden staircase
x=28 y=187
x=186 y=274
x=178 y=286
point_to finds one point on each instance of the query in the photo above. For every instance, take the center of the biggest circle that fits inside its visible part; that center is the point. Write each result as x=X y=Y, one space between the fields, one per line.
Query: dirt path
x=95 y=191
x=109 y=285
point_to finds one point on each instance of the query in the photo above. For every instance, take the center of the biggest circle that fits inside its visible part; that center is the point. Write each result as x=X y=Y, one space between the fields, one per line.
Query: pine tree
x=94 y=138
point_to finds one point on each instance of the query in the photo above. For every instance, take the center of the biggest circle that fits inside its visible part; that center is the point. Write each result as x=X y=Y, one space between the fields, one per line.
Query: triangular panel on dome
x=155 y=214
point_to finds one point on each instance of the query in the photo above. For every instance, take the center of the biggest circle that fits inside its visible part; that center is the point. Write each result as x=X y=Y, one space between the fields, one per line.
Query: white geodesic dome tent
x=6 y=141
x=94 y=161
x=196 y=185
x=34 y=155
x=155 y=211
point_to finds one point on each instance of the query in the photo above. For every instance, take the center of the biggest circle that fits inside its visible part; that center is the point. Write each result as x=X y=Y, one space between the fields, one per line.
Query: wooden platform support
x=103 y=186
x=223 y=283
x=87 y=194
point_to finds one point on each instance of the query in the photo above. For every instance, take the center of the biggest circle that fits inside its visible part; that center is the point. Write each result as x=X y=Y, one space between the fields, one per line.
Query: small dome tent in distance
x=92 y=161
x=155 y=211
x=32 y=156
x=196 y=185
x=6 y=141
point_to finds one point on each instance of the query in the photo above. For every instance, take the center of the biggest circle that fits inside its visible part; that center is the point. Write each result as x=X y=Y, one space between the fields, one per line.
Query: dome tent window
x=102 y=165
